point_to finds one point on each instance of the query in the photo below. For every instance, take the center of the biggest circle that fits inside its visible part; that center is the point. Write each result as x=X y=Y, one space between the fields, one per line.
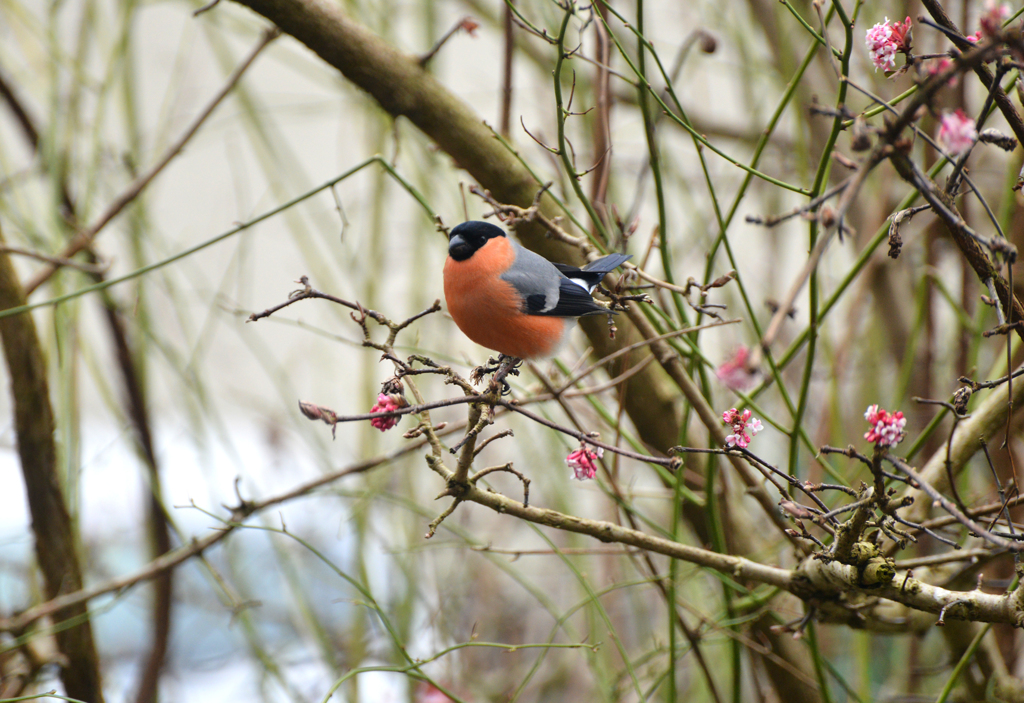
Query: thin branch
x=948 y=506
x=58 y=261
x=466 y=23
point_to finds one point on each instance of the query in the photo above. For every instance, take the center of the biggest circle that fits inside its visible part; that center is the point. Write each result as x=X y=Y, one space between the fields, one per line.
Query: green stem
x=820 y=179
x=962 y=664
x=819 y=669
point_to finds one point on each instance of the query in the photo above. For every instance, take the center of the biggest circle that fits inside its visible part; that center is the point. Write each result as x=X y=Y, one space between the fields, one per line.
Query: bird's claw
x=502 y=367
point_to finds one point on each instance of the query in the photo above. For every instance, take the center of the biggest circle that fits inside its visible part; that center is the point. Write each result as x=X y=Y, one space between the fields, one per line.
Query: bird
x=512 y=300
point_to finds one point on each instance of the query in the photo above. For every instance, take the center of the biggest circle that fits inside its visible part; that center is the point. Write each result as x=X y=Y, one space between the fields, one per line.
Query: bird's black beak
x=458 y=248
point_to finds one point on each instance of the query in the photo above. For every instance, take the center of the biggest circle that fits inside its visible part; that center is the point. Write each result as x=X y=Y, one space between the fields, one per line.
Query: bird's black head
x=465 y=239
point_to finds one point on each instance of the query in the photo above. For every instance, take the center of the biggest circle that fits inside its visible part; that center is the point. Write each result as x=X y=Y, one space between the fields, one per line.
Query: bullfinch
x=511 y=300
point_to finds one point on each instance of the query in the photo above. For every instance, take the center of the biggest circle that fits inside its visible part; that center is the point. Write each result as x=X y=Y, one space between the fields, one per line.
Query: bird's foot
x=502 y=367
x=509 y=367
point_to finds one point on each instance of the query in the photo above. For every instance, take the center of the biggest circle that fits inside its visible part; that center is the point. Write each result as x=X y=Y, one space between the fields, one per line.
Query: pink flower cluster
x=957 y=132
x=885 y=39
x=743 y=427
x=583 y=462
x=387 y=402
x=886 y=428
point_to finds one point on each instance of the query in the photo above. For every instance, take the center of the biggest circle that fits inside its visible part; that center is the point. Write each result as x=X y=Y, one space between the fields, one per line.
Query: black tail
x=595 y=271
x=607 y=264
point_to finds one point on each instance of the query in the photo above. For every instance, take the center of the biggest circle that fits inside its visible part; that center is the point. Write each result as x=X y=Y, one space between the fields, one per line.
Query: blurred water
x=207 y=640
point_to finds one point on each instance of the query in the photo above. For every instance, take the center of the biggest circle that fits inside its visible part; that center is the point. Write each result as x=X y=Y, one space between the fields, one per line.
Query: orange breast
x=489 y=310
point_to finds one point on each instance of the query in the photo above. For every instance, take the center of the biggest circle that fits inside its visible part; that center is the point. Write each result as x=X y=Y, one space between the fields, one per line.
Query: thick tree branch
x=56 y=549
x=817 y=580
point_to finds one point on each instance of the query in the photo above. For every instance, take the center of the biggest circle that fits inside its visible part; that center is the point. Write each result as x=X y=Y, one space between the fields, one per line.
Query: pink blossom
x=743 y=427
x=881 y=48
x=885 y=39
x=974 y=38
x=734 y=374
x=583 y=462
x=956 y=132
x=901 y=34
x=886 y=428
x=387 y=403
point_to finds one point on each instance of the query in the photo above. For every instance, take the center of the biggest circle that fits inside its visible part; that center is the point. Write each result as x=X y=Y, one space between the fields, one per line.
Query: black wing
x=573 y=301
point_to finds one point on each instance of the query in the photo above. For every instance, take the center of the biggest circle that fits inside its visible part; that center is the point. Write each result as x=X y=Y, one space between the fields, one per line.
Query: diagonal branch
x=964 y=237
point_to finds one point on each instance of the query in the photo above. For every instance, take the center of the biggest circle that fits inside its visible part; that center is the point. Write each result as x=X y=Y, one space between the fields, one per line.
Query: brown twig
x=971 y=555
x=58 y=261
x=1003 y=102
x=588 y=439
x=810 y=206
x=507 y=468
x=466 y=23
x=205 y=8
x=580 y=375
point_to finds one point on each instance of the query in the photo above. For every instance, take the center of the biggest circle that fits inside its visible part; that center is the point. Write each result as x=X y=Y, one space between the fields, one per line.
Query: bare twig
x=466 y=23
x=948 y=506
x=58 y=261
